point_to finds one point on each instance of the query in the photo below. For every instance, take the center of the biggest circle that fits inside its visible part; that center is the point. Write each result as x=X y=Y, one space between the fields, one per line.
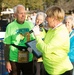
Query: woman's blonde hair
x=55 y=11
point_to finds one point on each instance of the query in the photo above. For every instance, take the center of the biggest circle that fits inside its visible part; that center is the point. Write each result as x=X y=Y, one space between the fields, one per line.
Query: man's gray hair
x=15 y=8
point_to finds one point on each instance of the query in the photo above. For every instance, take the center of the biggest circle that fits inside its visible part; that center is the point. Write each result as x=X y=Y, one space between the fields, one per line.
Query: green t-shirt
x=14 y=35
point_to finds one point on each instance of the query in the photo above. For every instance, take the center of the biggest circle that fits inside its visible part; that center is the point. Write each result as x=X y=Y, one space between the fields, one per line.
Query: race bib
x=23 y=56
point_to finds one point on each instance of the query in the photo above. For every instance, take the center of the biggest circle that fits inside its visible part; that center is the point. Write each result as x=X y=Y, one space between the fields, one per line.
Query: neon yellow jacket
x=55 y=48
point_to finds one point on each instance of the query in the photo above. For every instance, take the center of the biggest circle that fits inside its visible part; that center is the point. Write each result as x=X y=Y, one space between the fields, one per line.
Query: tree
x=10 y=3
x=31 y=4
x=34 y=4
x=67 y=5
x=39 y=4
x=1 y=5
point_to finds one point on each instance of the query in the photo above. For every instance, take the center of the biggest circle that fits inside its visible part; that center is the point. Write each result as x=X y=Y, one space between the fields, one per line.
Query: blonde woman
x=55 y=46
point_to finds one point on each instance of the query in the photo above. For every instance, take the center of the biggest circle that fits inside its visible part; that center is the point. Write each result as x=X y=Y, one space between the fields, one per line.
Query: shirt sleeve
x=7 y=38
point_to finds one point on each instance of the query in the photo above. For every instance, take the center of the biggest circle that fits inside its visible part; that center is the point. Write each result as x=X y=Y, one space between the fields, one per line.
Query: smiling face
x=39 y=19
x=68 y=23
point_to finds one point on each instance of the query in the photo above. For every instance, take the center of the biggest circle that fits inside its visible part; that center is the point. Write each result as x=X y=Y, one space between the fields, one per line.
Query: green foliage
x=50 y=2
x=31 y=4
x=34 y=4
x=39 y=5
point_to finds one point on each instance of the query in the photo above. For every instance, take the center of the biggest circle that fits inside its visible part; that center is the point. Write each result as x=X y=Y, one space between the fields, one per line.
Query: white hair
x=71 y=18
x=41 y=13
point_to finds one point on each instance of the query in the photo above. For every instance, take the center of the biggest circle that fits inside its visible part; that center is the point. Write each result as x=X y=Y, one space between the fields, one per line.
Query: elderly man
x=18 y=59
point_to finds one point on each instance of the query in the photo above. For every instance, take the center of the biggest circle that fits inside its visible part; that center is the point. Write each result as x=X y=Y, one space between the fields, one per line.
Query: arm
x=71 y=53
x=60 y=40
x=6 y=49
x=6 y=52
x=6 y=55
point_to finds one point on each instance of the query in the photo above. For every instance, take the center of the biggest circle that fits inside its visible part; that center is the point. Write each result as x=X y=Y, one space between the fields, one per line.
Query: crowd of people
x=54 y=40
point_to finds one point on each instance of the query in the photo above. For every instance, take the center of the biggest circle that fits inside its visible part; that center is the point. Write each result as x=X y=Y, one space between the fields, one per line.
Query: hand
x=36 y=30
x=29 y=49
x=8 y=67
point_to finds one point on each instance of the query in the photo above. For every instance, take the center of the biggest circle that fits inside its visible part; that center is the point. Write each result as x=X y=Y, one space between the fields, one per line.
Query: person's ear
x=14 y=15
